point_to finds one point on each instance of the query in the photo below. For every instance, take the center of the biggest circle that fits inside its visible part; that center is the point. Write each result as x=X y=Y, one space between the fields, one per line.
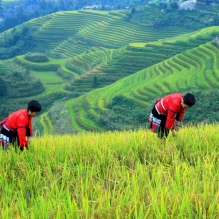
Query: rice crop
x=130 y=174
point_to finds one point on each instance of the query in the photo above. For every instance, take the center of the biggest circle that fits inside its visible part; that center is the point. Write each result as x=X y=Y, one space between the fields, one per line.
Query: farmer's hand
x=28 y=140
x=173 y=133
x=177 y=128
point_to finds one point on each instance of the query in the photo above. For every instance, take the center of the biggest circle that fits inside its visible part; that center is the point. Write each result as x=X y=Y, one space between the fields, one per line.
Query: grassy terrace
x=111 y=65
x=74 y=46
x=46 y=123
x=100 y=29
x=195 y=68
x=52 y=82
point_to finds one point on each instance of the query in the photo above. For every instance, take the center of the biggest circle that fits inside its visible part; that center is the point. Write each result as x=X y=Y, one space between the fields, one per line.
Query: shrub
x=37 y=58
x=19 y=83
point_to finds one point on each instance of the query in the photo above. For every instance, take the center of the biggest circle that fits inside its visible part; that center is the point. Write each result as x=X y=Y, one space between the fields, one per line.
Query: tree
x=174 y=6
x=3 y=88
x=1 y=6
x=94 y=83
x=62 y=5
x=24 y=31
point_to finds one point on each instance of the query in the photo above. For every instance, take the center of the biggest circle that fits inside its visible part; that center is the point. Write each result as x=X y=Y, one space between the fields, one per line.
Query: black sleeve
x=177 y=116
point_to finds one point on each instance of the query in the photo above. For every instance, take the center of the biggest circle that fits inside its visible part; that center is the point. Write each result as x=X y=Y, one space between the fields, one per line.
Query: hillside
x=194 y=70
x=109 y=69
x=113 y=175
x=64 y=36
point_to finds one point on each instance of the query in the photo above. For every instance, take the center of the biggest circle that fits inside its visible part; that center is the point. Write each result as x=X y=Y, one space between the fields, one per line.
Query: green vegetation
x=113 y=175
x=17 y=41
x=19 y=82
x=100 y=57
x=168 y=14
x=36 y=58
x=195 y=70
x=75 y=32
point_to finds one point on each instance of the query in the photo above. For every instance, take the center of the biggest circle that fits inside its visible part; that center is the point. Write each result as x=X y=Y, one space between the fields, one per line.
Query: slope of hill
x=72 y=34
x=194 y=69
x=84 y=46
x=99 y=28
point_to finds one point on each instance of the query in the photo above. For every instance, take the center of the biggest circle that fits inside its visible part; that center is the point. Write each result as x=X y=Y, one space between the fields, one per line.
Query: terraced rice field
x=102 y=44
x=110 y=65
x=194 y=68
x=74 y=32
x=6 y=3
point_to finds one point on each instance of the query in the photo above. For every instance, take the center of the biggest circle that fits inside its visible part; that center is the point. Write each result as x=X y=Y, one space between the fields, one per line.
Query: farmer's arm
x=170 y=119
x=22 y=124
x=179 y=117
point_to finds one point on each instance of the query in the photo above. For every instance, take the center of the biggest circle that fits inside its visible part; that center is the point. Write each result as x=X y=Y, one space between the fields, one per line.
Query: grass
x=51 y=82
x=48 y=77
x=46 y=123
x=113 y=175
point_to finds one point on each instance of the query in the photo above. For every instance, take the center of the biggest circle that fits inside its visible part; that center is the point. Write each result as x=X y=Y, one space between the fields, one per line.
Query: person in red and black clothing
x=168 y=109
x=17 y=127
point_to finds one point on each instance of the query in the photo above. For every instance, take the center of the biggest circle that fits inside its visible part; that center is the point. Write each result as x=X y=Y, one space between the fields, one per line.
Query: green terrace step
x=195 y=68
x=99 y=28
x=72 y=107
x=183 y=75
x=82 y=119
x=46 y=123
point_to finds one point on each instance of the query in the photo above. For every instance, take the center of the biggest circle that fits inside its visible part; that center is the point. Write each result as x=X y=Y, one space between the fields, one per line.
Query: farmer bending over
x=167 y=110
x=17 y=127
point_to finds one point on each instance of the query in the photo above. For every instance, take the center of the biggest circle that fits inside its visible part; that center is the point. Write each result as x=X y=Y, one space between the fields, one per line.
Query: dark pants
x=163 y=132
x=13 y=137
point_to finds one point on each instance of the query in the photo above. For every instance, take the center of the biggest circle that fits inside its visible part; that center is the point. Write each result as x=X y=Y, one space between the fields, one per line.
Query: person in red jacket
x=168 y=109
x=17 y=127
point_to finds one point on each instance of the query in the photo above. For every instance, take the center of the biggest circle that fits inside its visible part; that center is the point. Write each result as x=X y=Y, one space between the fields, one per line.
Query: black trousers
x=13 y=137
x=163 y=132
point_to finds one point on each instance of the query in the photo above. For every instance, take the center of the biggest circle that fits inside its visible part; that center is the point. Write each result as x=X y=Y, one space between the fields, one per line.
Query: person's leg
x=5 y=138
x=163 y=132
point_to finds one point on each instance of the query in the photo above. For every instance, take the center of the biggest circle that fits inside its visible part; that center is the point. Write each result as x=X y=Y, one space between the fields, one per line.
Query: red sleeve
x=30 y=127
x=170 y=119
x=22 y=124
x=171 y=116
x=181 y=114
x=22 y=136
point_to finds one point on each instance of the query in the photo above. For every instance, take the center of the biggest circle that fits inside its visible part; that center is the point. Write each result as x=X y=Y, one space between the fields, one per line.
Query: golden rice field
x=111 y=175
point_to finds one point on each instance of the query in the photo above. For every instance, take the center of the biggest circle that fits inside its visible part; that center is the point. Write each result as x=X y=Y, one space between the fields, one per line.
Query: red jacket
x=170 y=106
x=18 y=121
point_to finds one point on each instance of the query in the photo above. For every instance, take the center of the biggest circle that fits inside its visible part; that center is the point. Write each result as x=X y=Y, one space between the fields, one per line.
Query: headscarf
x=34 y=106
x=189 y=99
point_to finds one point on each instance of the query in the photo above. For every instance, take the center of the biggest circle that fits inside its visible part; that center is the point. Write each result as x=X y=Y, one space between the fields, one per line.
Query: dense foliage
x=20 y=83
x=16 y=42
x=30 y=9
x=60 y=119
x=36 y=57
x=162 y=15
x=125 y=114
